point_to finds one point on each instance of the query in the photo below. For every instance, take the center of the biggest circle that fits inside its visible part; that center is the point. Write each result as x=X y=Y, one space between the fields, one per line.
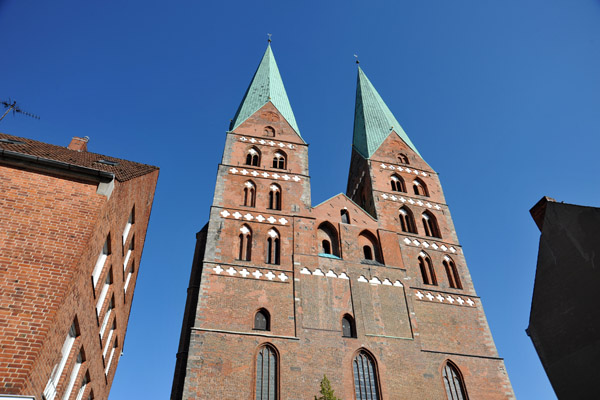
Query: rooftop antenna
x=11 y=105
x=357 y=61
x=269 y=39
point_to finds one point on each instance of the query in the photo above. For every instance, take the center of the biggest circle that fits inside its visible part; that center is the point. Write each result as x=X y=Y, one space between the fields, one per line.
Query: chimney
x=79 y=144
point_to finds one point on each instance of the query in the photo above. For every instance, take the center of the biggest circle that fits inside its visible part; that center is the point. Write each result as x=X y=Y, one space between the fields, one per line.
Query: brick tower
x=73 y=225
x=369 y=288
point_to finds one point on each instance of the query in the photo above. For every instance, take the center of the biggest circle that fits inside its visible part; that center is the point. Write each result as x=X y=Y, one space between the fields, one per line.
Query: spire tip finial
x=357 y=60
x=269 y=37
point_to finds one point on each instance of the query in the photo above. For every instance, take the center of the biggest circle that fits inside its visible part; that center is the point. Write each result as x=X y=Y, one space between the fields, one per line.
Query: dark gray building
x=564 y=324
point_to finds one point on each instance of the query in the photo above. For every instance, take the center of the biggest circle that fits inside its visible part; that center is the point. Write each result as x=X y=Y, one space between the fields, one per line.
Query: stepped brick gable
x=370 y=287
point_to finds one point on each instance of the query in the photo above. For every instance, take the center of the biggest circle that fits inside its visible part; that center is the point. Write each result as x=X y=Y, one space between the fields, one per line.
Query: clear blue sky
x=501 y=98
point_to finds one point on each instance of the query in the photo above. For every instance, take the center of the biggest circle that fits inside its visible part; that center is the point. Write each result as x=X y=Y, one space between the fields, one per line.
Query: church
x=369 y=288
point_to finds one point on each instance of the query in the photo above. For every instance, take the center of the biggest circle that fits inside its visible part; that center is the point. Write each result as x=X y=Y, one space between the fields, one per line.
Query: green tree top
x=326 y=390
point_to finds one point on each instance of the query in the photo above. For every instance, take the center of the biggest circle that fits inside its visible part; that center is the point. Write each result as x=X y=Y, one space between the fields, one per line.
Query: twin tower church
x=370 y=288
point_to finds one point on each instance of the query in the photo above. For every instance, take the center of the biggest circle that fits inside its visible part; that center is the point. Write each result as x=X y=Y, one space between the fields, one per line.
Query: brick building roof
x=123 y=170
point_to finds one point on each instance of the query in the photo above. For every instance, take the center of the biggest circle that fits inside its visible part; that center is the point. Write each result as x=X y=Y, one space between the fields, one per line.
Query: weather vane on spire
x=269 y=35
x=356 y=56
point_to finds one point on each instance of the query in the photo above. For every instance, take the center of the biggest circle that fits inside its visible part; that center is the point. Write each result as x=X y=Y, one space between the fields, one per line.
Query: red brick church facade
x=370 y=288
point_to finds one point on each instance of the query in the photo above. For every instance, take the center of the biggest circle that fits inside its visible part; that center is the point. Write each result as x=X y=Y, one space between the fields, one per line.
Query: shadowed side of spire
x=373 y=120
x=266 y=86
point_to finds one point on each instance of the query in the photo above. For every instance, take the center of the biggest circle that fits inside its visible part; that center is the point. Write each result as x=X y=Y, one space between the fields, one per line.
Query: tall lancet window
x=245 y=243
x=397 y=184
x=275 y=197
x=407 y=221
x=273 y=247
x=420 y=188
x=365 y=377
x=253 y=157
x=430 y=225
x=249 y=194
x=279 y=160
x=427 y=270
x=453 y=382
x=452 y=273
x=267 y=374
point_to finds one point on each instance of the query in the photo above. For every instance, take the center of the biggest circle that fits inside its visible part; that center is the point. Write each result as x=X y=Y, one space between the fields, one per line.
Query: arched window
x=407 y=221
x=245 y=243
x=262 y=320
x=279 y=160
x=253 y=157
x=328 y=238
x=430 y=225
x=348 y=327
x=267 y=379
x=427 y=270
x=269 y=131
x=420 y=188
x=345 y=216
x=249 y=194
x=273 y=247
x=397 y=184
x=402 y=158
x=275 y=197
x=453 y=382
x=365 y=377
x=452 y=272
x=368 y=243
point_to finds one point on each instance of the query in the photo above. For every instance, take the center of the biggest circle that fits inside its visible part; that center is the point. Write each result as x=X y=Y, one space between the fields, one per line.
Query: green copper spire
x=266 y=86
x=373 y=120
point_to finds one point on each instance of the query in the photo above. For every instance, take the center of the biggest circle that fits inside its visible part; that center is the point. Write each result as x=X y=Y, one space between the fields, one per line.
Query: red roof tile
x=123 y=171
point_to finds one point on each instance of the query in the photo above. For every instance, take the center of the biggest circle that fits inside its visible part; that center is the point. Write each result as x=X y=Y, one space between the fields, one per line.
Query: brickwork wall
x=399 y=320
x=54 y=229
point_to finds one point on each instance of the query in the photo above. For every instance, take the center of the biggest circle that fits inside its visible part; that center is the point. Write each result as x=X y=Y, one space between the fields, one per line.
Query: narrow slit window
x=107 y=282
x=74 y=373
x=427 y=270
x=420 y=188
x=50 y=391
x=249 y=194
x=253 y=157
x=397 y=184
x=275 y=197
x=128 y=225
x=452 y=273
x=273 y=247
x=101 y=261
x=279 y=160
x=245 y=243
x=129 y=253
x=430 y=225
x=407 y=222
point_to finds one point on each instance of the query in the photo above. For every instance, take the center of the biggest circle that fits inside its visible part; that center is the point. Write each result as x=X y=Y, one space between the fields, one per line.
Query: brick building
x=565 y=309
x=73 y=225
x=370 y=287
